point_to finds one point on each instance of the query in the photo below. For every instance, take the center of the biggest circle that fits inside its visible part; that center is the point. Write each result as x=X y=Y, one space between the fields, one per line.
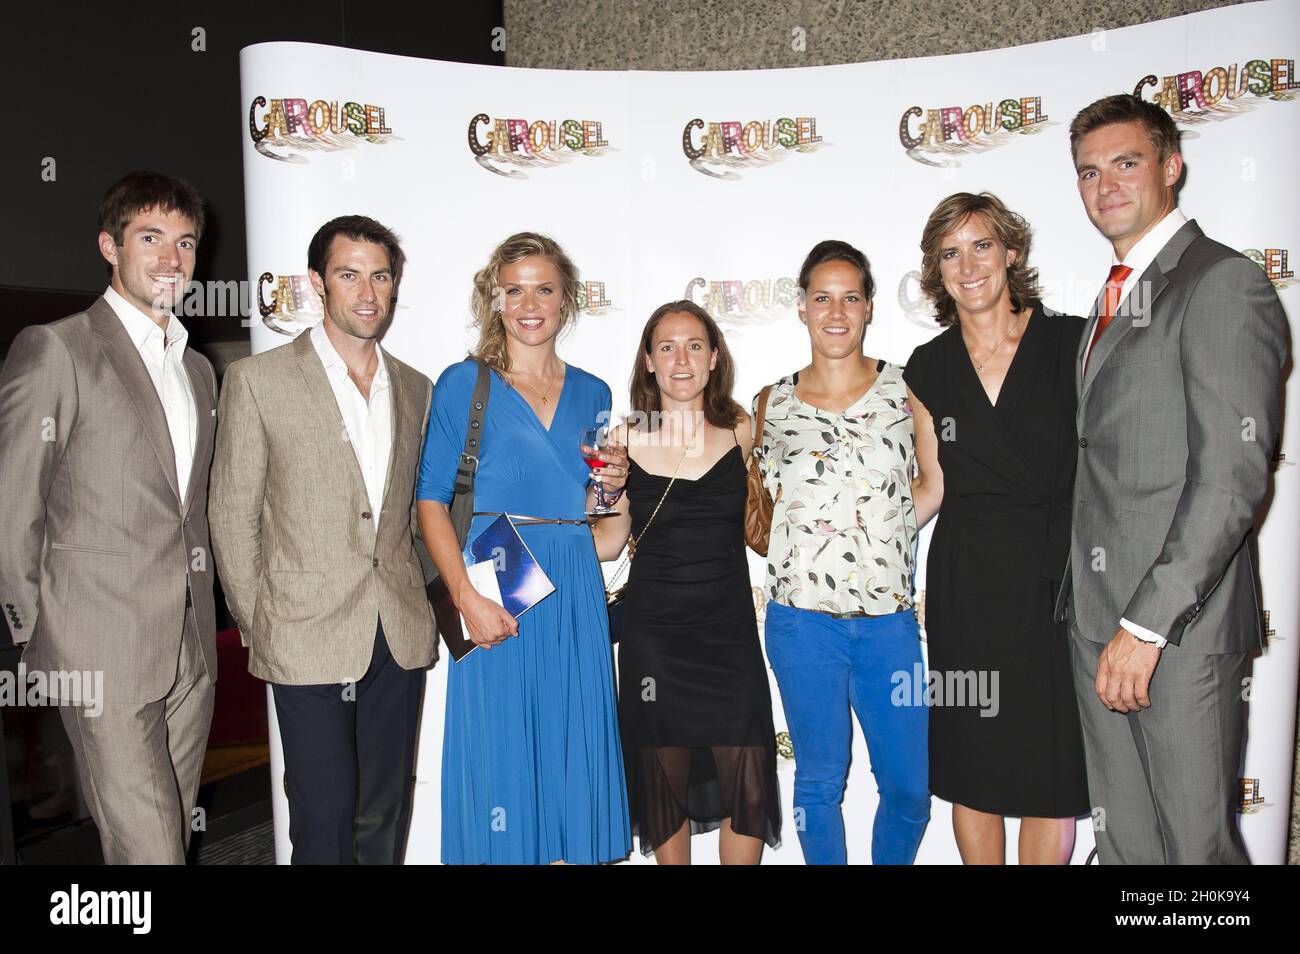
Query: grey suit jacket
x=1177 y=421
x=96 y=549
x=307 y=569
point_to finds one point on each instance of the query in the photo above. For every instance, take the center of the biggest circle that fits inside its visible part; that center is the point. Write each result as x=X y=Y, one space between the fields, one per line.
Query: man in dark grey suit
x=1178 y=413
x=107 y=424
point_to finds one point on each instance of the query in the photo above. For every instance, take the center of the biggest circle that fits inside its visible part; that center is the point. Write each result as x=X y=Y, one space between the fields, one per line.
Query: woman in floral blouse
x=837 y=453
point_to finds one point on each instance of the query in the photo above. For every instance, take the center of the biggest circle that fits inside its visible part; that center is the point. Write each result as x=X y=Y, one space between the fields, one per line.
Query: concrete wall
x=764 y=34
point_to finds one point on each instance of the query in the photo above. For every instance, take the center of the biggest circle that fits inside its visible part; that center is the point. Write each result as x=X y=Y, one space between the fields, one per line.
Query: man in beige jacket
x=106 y=424
x=313 y=530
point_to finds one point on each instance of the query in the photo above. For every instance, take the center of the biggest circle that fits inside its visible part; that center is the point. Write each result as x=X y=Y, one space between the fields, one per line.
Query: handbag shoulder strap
x=641 y=536
x=462 y=505
x=758 y=421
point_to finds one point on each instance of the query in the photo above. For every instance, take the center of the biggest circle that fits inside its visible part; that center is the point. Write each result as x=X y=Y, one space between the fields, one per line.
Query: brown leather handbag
x=758 y=503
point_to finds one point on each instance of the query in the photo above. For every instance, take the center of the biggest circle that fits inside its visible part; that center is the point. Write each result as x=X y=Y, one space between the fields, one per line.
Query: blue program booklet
x=520 y=579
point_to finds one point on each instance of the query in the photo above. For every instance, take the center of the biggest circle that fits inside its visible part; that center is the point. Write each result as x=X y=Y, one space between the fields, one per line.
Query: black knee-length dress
x=695 y=710
x=995 y=564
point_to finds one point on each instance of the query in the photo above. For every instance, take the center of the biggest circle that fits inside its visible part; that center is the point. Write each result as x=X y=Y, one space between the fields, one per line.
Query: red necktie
x=1114 y=285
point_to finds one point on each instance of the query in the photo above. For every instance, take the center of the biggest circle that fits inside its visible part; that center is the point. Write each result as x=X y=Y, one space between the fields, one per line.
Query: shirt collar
x=334 y=363
x=1141 y=255
x=140 y=326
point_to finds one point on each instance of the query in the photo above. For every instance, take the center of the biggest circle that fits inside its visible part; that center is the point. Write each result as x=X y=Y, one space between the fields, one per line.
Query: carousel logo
x=1274 y=263
x=294 y=305
x=510 y=146
x=1266 y=626
x=916 y=307
x=739 y=302
x=592 y=300
x=294 y=126
x=785 y=745
x=935 y=137
x=1196 y=97
x=718 y=149
x=1251 y=800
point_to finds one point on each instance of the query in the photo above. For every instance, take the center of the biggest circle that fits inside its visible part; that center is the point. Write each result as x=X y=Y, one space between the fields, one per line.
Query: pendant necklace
x=981 y=365
x=545 y=397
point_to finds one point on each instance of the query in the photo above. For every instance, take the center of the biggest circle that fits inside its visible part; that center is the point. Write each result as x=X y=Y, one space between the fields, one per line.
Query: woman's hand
x=486 y=622
x=614 y=474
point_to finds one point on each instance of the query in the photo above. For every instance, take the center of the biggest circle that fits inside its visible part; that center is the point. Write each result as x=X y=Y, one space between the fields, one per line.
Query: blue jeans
x=823 y=666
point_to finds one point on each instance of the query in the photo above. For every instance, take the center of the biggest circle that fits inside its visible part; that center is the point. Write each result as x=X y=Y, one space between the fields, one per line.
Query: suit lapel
x=1133 y=311
x=204 y=403
x=397 y=418
x=324 y=404
x=1136 y=310
x=1088 y=331
x=128 y=364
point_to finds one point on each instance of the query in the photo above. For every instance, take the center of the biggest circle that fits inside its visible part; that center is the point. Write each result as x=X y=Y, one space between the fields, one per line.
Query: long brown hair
x=485 y=302
x=720 y=409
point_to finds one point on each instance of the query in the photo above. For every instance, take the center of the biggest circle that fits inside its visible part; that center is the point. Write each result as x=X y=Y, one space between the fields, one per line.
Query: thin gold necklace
x=980 y=366
x=545 y=397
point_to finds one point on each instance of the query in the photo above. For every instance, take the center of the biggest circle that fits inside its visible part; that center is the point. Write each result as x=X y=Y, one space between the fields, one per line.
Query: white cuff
x=1144 y=634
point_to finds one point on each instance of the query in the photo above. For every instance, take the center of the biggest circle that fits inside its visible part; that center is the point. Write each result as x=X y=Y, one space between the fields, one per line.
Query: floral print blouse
x=843 y=527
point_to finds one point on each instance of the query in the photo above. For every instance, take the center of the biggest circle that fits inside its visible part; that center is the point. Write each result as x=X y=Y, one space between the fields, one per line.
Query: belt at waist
x=519 y=520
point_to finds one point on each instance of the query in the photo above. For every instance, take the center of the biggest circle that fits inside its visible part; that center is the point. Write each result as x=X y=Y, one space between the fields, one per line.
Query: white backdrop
x=845 y=156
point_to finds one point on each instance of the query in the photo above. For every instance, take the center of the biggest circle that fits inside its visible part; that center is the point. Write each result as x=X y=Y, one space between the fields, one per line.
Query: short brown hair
x=1009 y=228
x=720 y=409
x=144 y=191
x=485 y=301
x=1160 y=127
x=358 y=228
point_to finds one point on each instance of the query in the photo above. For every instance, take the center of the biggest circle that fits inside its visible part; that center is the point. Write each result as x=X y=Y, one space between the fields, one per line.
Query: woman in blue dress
x=532 y=768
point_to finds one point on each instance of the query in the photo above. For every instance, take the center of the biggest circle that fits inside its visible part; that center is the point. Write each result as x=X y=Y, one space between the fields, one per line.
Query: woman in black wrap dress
x=994 y=403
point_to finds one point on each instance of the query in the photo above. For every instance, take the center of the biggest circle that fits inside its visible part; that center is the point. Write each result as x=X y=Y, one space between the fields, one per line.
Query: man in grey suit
x=106 y=420
x=313 y=504
x=1180 y=384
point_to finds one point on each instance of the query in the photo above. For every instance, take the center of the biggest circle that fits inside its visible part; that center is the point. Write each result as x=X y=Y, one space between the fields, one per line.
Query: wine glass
x=597 y=437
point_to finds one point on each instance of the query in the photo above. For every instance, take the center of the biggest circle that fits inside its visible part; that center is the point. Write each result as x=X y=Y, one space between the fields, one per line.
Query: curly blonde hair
x=484 y=302
x=1009 y=228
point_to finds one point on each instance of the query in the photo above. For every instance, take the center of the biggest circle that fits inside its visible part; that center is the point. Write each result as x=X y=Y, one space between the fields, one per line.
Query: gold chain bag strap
x=614 y=599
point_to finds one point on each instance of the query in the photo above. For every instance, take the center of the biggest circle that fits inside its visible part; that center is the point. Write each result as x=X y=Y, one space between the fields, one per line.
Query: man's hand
x=1124 y=672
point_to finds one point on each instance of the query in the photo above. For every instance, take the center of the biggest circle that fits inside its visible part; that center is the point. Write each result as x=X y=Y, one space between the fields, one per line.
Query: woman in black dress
x=994 y=404
x=695 y=711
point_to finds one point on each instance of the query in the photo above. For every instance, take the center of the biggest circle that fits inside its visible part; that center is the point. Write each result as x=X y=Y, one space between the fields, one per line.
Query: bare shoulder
x=744 y=431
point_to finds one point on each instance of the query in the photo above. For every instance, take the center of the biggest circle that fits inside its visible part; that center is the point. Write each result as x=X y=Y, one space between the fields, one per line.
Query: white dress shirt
x=1139 y=258
x=368 y=422
x=163 y=356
